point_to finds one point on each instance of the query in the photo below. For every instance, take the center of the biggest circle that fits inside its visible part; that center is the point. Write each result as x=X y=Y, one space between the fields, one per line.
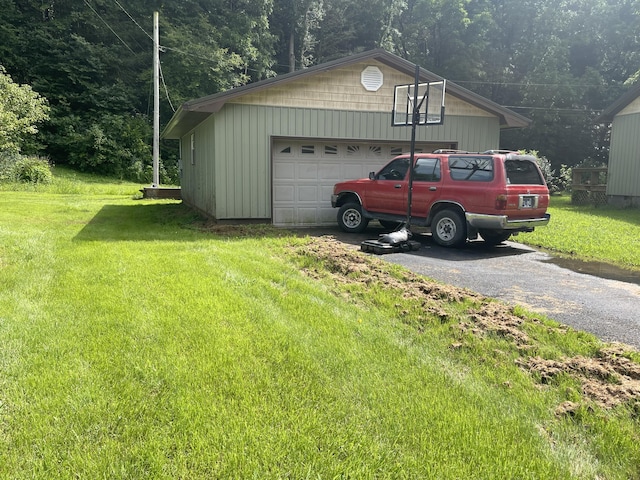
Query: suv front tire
x=350 y=218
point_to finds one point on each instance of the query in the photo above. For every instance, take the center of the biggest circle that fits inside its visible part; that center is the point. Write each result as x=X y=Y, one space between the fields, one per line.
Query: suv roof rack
x=504 y=152
x=446 y=150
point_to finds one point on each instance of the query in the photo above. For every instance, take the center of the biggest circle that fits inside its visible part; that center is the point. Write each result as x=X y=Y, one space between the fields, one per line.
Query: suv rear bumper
x=502 y=222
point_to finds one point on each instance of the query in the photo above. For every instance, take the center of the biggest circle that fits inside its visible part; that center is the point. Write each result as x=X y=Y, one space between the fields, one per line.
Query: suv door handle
x=433 y=189
x=397 y=185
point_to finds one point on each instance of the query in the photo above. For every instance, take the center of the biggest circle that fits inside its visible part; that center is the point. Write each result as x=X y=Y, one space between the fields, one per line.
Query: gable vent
x=371 y=79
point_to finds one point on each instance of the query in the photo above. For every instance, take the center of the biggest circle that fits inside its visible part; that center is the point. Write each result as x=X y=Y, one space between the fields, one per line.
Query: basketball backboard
x=427 y=102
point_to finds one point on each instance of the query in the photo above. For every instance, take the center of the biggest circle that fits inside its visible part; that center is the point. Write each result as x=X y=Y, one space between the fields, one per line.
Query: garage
x=304 y=173
x=271 y=151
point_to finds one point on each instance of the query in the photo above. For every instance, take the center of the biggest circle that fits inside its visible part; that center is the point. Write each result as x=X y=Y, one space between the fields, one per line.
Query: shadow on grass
x=142 y=222
x=167 y=222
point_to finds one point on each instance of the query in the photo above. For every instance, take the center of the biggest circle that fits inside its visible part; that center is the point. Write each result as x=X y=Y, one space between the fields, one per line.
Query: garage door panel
x=284 y=193
x=307 y=216
x=327 y=216
x=325 y=192
x=308 y=193
x=284 y=170
x=330 y=171
x=283 y=216
x=305 y=171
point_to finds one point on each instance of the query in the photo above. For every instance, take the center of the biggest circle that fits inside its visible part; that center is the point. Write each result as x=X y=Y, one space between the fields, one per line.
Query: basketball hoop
x=424 y=100
x=413 y=105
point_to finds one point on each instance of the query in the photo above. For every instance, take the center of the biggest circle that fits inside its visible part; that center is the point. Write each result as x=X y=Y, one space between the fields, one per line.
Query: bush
x=7 y=163
x=111 y=145
x=556 y=182
x=32 y=170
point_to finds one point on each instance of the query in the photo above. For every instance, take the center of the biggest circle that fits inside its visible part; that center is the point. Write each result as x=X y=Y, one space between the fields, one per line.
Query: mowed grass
x=135 y=345
x=604 y=234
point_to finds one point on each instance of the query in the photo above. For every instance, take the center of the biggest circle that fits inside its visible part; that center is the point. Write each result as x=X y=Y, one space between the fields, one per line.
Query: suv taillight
x=501 y=202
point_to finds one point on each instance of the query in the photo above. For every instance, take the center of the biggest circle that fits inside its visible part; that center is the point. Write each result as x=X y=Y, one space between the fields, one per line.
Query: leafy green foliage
x=93 y=61
x=557 y=181
x=21 y=109
x=557 y=62
x=32 y=170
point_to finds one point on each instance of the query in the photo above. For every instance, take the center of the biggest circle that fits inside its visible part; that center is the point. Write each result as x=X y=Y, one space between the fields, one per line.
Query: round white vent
x=371 y=78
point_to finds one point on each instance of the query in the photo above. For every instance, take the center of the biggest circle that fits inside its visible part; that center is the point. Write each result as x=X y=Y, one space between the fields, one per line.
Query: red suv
x=458 y=194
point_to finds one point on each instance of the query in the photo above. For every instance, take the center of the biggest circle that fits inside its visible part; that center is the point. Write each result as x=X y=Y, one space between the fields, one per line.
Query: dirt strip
x=608 y=379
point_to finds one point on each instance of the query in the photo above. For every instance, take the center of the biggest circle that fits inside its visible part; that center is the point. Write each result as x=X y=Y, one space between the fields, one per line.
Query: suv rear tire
x=494 y=237
x=350 y=218
x=448 y=229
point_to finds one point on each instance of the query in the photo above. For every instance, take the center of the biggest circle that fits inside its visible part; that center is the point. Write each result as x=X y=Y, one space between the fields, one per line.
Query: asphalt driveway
x=517 y=274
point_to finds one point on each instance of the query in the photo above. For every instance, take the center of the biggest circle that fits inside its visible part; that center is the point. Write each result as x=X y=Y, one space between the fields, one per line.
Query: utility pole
x=156 y=102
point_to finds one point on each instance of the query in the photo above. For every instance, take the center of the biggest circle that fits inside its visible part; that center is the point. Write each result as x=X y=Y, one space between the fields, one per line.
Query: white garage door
x=304 y=173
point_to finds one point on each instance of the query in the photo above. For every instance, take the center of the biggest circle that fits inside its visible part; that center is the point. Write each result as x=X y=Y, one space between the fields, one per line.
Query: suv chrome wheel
x=350 y=218
x=448 y=229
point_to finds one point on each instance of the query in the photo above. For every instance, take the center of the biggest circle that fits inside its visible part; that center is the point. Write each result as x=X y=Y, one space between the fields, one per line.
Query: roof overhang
x=616 y=107
x=193 y=112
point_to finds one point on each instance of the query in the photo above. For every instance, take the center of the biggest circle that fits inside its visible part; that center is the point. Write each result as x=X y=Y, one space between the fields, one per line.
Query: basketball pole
x=415 y=118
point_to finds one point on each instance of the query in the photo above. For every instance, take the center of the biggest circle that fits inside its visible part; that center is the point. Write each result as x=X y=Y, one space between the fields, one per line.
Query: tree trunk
x=292 y=54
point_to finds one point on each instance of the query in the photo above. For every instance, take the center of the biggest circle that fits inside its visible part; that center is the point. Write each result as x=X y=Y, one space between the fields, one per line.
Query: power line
x=133 y=20
x=549 y=109
x=515 y=84
x=166 y=90
x=108 y=26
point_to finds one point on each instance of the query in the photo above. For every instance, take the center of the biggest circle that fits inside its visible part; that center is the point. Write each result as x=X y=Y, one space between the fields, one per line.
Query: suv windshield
x=396 y=170
x=522 y=172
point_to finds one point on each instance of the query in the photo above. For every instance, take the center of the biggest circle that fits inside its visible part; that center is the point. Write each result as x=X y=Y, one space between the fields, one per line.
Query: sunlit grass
x=72 y=182
x=134 y=345
x=591 y=233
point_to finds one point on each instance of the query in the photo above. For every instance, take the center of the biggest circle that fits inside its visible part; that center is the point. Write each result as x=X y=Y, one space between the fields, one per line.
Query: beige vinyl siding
x=242 y=177
x=624 y=157
x=340 y=89
x=632 y=108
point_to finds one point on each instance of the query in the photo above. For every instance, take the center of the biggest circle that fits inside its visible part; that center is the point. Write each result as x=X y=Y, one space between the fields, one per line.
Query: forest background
x=557 y=62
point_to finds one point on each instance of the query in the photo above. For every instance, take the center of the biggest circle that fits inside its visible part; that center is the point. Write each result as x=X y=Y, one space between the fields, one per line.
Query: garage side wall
x=624 y=161
x=242 y=180
x=197 y=153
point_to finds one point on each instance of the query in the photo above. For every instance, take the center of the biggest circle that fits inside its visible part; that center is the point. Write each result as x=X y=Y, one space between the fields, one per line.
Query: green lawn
x=136 y=344
x=602 y=234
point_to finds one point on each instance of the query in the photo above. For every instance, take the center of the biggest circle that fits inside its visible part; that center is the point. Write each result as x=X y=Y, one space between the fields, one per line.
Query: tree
x=93 y=61
x=21 y=109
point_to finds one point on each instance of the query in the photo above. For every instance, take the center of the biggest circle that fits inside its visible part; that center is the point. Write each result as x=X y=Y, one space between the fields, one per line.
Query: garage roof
x=195 y=111
x=620 y=104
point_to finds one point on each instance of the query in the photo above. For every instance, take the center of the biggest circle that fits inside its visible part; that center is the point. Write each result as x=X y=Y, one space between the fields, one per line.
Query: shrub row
x=34 y=170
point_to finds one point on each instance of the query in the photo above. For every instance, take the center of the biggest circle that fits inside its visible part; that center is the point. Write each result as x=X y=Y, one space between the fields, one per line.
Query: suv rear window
x=471 y=169
x=522 y=172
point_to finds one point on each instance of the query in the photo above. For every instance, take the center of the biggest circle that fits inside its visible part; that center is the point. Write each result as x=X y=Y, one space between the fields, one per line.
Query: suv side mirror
x=372 y=175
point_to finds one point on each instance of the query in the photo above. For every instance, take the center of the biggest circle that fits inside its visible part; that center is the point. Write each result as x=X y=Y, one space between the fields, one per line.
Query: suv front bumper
x=502 y=222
